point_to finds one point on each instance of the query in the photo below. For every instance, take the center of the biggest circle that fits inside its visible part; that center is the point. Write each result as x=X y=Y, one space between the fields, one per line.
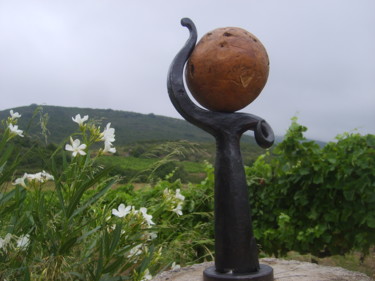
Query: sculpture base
x=265 y=273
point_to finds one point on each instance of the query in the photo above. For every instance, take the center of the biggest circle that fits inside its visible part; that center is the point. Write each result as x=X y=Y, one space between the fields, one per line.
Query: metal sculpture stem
x=235 y=246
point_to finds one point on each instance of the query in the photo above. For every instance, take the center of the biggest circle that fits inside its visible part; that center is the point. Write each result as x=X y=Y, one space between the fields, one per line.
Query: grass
x=8 y=186
x=141 y=164
x=133 y=163
x=131 y=166
x=193 y=167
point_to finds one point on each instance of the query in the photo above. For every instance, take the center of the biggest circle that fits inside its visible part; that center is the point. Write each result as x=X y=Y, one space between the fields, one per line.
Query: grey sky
x=116 y=54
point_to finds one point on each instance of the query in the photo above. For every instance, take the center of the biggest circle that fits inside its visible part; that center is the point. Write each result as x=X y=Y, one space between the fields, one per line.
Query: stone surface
x=284 y=270
x=227 y=69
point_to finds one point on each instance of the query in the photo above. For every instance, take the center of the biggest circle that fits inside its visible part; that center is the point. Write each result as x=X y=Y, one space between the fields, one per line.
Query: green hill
x=139 y=137
x=130 y=127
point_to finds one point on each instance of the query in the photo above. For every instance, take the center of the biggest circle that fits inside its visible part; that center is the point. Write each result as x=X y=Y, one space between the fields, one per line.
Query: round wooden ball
x=227 y=69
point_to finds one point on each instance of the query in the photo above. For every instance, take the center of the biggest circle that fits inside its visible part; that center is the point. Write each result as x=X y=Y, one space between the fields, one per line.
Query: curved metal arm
x=235 y=246
x=212 y=122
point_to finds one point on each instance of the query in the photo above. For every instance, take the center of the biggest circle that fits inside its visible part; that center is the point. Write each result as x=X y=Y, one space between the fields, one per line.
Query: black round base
x=265 y=273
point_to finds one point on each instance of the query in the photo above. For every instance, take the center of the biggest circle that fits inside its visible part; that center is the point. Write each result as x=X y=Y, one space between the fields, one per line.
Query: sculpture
x=236 y=253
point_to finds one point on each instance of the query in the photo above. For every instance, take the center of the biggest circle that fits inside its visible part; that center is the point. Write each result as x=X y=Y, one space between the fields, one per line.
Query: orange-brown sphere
x=227 y=69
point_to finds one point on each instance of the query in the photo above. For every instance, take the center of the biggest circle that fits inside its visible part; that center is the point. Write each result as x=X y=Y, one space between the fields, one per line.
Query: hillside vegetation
x=146 y=138
x=130 y=127
x=75 y=220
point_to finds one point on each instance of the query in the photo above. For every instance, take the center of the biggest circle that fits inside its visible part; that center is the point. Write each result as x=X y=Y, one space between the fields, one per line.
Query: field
x=134 y=169
x=145 y=164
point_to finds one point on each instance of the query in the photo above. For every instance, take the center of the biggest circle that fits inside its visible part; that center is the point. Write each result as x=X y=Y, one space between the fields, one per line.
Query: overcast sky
x=116 y=54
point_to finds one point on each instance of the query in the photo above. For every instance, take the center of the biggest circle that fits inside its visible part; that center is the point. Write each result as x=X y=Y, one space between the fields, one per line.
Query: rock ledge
x=284 y=270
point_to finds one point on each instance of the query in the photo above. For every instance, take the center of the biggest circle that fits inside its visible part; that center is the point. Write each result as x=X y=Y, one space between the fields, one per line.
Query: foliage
x=35 y=150
x=131 y=127
x=313 y=199
x=64 y=234
x=139 y=136
x=69 y=224
x=76 y=222
x=186 y=236
x=135 y=169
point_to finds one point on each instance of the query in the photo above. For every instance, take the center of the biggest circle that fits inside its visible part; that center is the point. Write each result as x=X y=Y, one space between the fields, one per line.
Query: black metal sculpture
x=236 y=253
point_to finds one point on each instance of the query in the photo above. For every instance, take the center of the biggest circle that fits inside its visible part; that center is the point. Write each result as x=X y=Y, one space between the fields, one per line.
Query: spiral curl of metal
x=212 y=122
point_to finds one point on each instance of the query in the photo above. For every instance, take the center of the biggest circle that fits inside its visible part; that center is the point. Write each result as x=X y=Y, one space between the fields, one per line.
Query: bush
x=186 y=236
x=72 y=223
x=63 y=231
x=313 y=199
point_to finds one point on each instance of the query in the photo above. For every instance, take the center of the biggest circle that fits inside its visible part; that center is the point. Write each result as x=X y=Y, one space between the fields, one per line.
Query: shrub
x=56 y=231
x=313 y=199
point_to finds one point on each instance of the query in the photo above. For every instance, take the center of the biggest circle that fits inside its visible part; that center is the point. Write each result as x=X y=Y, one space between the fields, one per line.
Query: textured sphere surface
x=227 y=69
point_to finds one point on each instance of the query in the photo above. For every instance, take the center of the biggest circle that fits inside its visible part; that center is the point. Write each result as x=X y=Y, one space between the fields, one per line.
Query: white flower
x=14 y=130
x=146 y=276
x=150 y=236
x=108 y=134
x=108 y=147
x=47 y=177
x=135 y=251
x=76 y=147
x=21 y=181
x=179 y=195
x=4 y=242
x=178 y=209
x=23 y=241
x=175 y=266
x=174 y=201
x=166 y=194
x=122 y=211
x=148 y=218
x=79 y=120
x=40 y=177
x=8 y=237
x=134 y=211
x=14 y=115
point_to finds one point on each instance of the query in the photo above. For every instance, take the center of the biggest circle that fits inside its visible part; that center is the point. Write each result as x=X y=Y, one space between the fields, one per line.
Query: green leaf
x=370 y=220
x=100 y=262
x=5 y=155
x=349 y=195
x=304 y=171
x=68 y=244
x=116 y=235
x=88 y=233
x=318 y=178
x=113 y=266
x=12 y=200
x=93 y=199
x=71 y=210
x=27 y=274
x=60 y=196
x=147 y=260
